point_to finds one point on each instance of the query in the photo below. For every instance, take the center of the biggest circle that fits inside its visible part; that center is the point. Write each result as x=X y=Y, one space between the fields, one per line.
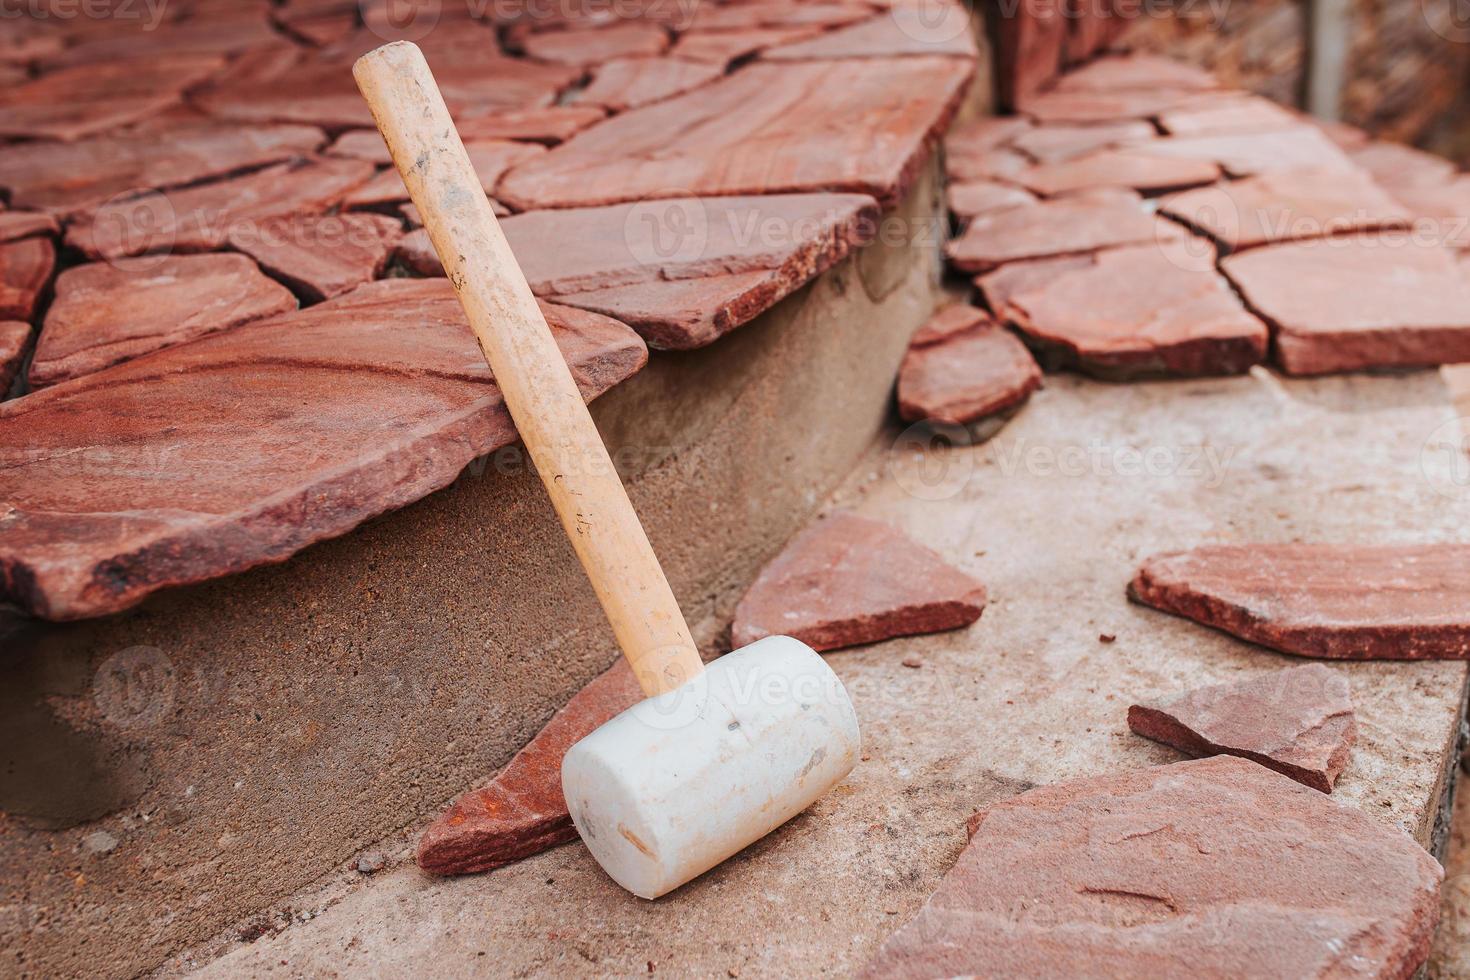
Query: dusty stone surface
x=626 y=83
x=1379 y=602
x=1148 y=310
x=1353 y=304
x=912 y=28
x=551 y=124
x=965 y=375
x=1134 y=72
x=1298 y=721
x=734 y=257
x=1442 y=211
x=1248 y=154
x=321 y=256
x=522 y=811
x=295 y=405
x=1280 y=207
x=75 y=102
x=1398 y=165
x=15 y=340
x=203 y=218
x=975 y=197
x=66 y=177
x=25 y=269
x=1128 y=168
x=999 y=286
x=1175 y=871
x=362 y=144
x=1066 y=226
x=1054 y=144
x=1024 y=698
x=714 y=140
x=848 y=581
x=1235 y=114
x=105 y=313
x=583 y=47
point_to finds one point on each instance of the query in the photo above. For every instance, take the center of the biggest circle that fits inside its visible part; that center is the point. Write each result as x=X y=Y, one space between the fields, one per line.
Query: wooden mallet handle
x=529 y=368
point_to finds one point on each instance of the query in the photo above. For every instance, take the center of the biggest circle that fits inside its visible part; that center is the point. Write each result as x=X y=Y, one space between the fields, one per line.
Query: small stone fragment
x=966 y=376
x=321 y=255
x=847 y=580
x=1342 y=602
x=1210 y=868
x=25 y=269
x=976 y=197
x=913 y=660
x=372 y=862
x=15 y=340
x=1298 y=721
x=522 y=811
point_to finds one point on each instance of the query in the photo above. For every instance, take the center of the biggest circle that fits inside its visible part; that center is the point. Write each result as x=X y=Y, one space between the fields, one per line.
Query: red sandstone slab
x=1249 y=154
x=266 y=438
x=948 y=321
x=1280 y=207
x=976 y=197
x=776 y=13
x=591 y=46
x=362 y=144
x=67 y=177
x=108 y=312
x=1144 y=311
x=912 y=28
x=847 y=580
x=724 y=47
x=966 y=376
x=203 y=218
x=490 y=158
x=26 y=224
x=1028 y=47
x=136 y=41
x=979 y=136
x=549 y=124
x=1066 y=226
x=76 y=102
x=522 y=811
x=25 y=269
x=1128 y=168
x=323 y=255
x=626 y=83
x=1396 y=165
x=1085 y=108
x=1298 y=721
x=1442 y=210
x=1136 y=72
x=1350 y=304
x=1384 y=602
x=1054 y=144
x=717 y=139
x=1236 y=114
x=15 y=340
x=1002 y=164
x=1014 y=278
x=1210 y=868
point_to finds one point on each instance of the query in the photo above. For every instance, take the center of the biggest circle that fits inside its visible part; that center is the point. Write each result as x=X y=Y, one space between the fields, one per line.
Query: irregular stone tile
x=847 y=580
x=1028 y=48
x=947 y=321
x=978 y=137
x=25 y=269
x=1442 y=211
x=1242 y=114
x=1001 y=163
x=1134 y=72
x=583 y=47
x=108 y=312
x=1145 y=311
x=1216 y=867
x=265 y=439
x=1127 y=168
x=626 y=83
x=1385 y=602
x=1249 y=154
x=773 y=13
x=1396 y=165
x=67 y=177
x=968 y=377
x=716 y=139
x=362 y=144
x=490 y=158
x=971 y=198
x=320 y=256
x=1349 y=304
x=1298 y=721
x=904 y=29
x=203 y=217
x=736 y=257
x=1014 y=278
x=723 y=47
x=26 y=224
x=1083 y=108
x=75 y=102
x=15 y=340
x=549 y=124
x=1279 y=207
x=1053 y=144
x=522 y=811
x=1066 y=226
x=214 y=36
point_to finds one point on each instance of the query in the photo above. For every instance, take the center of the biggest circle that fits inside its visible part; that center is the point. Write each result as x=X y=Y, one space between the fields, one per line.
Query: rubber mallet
x=715 y=757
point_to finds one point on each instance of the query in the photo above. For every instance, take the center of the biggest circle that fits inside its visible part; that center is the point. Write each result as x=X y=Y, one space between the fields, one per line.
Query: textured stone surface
x=626 y=83
x=1086 y=108
x=66 y=177
x=25 y=269
x=1353 y=304
x=1180 y=870
x=25 y=224
x=362 y=144
x=965 y=375
x=682 y=271
x=490 y=158
x=1248 y=154
x=1398 y=165
x=1014 y=278
x=724 y=47
x=978 y=137
x=1298 y=721
x=975 y=197
x=321 y=256
x=1135 y=72
x=847 y=581
x=75 y=102
x=551 y=124
x=204 y=217
x=595 y=45
x=716 y=139
x=1054 y=144
x=906 y=28
x=522 y=811
x=108 y=312
x=267 y=438
x=1236 y=114
x=1385 y=602
x=15 y=339
x=1148 y=310
x=1442 y=211
x=1129 y=168
x=1066 y=226
x=1280 y=207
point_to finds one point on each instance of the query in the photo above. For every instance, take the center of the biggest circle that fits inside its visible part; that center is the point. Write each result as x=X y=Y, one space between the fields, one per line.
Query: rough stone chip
x=522 y=811
x=1345 y=602
x=1351 y=304
x=266 y=438
x=847 y=580
x=108 y=312
x=1209 y=868
x=963 y=367
x=1298 y=721
x=321 y=255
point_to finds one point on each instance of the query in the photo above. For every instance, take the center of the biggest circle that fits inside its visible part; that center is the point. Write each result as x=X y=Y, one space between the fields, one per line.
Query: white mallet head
x=676 y=784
